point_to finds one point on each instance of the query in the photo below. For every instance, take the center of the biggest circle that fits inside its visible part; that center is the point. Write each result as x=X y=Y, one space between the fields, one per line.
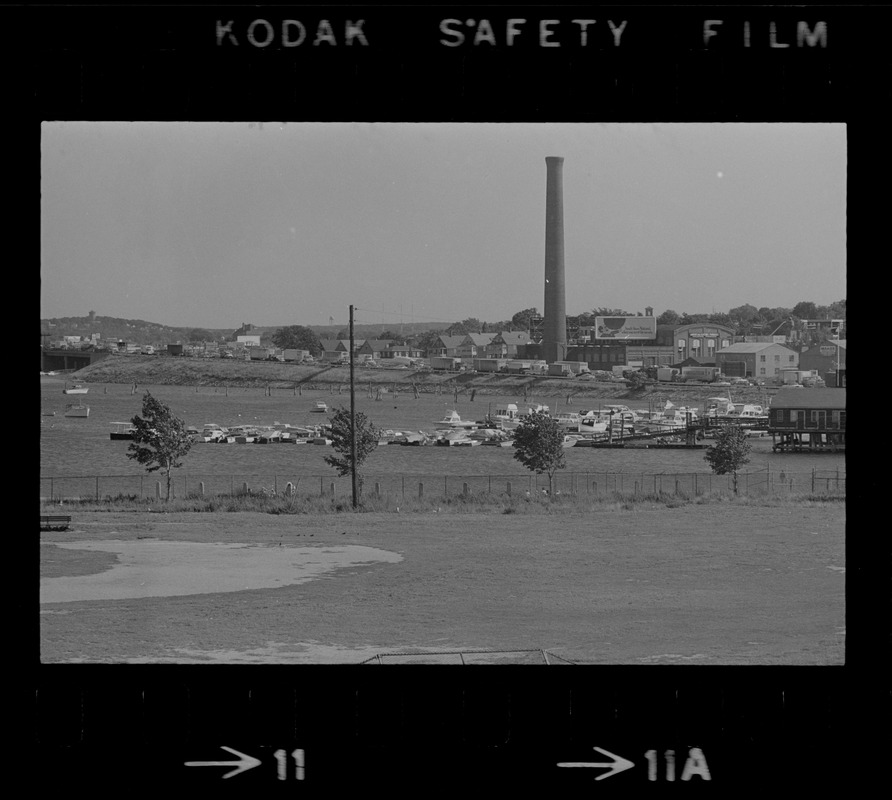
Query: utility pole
x=352 y=419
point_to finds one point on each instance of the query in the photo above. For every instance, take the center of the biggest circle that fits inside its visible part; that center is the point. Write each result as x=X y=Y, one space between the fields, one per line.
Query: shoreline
x=185 y=371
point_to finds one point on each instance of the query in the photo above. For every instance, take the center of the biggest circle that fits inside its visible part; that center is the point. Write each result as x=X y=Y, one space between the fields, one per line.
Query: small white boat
x=458 y=438
x=569 y=420
x=77 y=410
x=507 y=416
x=453 y=420
x=77 y=388
x=570 y=440
x=319 y=407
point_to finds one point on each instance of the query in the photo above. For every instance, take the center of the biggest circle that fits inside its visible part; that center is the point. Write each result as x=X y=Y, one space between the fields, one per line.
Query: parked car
x=739 y=381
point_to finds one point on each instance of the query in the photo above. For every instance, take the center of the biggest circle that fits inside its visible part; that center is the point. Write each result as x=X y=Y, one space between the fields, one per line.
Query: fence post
x=244 y=487
x=377 y=489
x=464 y=489
x=812 y=480
x=404 y=487
x=332 y=489
x=53 y=494
x=158 y=490
x=97 y=488
x=322 y=486
x=509 y=489
x=420 y=491
x=201 y=488
x=276 y=484
x=490 y=484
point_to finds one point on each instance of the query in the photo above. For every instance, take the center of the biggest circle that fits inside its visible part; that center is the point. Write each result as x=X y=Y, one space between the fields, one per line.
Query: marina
x=73 y=447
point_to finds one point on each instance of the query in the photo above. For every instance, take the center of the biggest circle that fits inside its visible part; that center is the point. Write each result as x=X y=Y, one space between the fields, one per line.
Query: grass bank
x=185 y=371
x=265 y=502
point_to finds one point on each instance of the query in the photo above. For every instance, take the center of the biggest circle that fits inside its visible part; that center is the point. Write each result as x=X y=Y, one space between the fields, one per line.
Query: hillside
x=154 y=370
x=138 y=331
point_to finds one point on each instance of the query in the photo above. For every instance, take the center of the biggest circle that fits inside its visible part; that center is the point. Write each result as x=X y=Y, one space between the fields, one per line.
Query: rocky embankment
x=181 y=371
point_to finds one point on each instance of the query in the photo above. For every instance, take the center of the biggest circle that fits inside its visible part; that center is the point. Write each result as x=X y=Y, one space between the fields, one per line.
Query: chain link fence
x=600 y=484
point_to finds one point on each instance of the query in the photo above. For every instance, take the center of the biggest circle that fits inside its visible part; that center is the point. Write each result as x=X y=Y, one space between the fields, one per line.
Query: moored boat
x=319 y=407
x=122 y=431
x=77 y=410
x=453 y=420
x=76 y=388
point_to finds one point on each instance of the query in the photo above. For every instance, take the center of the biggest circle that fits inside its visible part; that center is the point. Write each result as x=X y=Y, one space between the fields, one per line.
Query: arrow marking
x=244 y=763
x=619 y=764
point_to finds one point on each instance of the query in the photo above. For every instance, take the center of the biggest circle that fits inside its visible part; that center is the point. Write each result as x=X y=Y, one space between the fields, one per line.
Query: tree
x=367 y=436
x=805 y=310
x=721 y=318
x=160 y=440
x=729 y=453
x=539 y=446
x=610 y=312
x=668 y=317
x=393 y=336
x=521 y=321
x=297 y=337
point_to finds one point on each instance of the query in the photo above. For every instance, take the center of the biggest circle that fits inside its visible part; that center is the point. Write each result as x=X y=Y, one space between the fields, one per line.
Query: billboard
x=624 y=328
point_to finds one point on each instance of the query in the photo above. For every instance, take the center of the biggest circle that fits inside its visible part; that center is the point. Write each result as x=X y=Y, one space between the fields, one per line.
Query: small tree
x=367 y=436
x=159 y=438
x=729 y=453
x=539 y=446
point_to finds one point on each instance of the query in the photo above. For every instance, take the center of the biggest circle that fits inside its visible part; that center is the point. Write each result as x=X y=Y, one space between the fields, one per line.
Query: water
x=81 y=447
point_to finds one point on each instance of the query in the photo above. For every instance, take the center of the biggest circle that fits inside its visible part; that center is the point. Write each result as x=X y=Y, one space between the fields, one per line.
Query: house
x=335 y=345
x=756 y=360
x=335 y=350
x=474 y=345
x=374 y=348
x=404 y=351
x=446 y=346
x=829 y=359
x=808 y=419
x=505 y=344
x=249 y=340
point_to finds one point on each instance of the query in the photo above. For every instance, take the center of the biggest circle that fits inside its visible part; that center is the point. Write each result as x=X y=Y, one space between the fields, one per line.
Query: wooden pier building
x=808 y=420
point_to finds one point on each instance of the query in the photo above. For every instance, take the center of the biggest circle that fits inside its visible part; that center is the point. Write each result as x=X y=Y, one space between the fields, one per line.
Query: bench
x=57 y=522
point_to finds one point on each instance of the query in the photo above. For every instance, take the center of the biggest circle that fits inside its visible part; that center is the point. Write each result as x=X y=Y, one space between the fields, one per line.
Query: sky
x=217 y=224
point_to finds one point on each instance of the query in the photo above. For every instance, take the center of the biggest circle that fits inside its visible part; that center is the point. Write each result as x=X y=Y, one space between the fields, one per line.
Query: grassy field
x=734 y=582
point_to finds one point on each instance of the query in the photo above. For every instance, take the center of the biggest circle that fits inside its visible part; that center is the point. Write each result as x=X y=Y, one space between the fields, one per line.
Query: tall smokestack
x=554 y=336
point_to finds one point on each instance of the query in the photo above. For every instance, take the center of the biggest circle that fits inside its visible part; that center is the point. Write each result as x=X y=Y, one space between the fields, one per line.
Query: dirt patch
x=699 y=585
x=58 y=560
x=146 y=568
